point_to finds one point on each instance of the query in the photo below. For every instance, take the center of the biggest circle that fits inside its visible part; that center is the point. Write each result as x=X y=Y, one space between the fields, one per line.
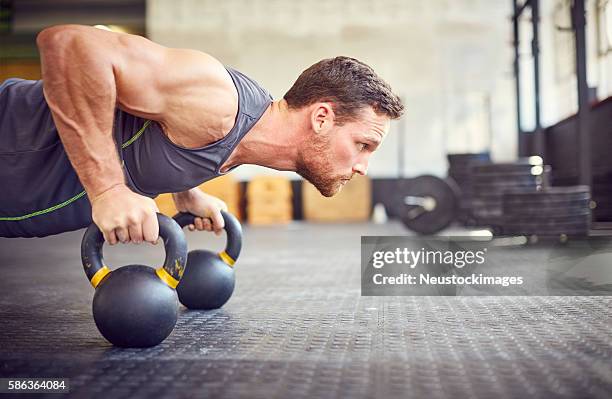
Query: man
x=118 y=119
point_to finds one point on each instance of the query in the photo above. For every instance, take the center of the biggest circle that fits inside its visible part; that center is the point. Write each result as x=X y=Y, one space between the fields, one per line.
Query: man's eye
x=361 y=146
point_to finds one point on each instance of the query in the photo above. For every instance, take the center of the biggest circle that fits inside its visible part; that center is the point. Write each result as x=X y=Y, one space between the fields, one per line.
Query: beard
x=315 y=164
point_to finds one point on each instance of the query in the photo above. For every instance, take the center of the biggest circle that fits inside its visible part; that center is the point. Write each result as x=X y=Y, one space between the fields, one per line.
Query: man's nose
x=361 y=167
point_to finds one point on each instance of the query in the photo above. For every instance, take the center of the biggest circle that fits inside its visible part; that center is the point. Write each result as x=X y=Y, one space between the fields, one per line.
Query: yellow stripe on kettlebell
x=100 y=274
x=166 y=277
x=226 y=258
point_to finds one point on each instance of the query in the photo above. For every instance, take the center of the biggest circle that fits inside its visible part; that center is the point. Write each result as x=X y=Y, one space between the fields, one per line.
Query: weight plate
x=499 y=190
x=464 y=216
x=487 y=212
x=464 y=203
x=464 y=173
x=464 y=162
x=506 y=184
x=538 y=202
x=547 y=220
x=501 y=177
x=580 y=231
x=496 y=168
x=512 y=167
x=548 y=223
x=468 y=157
x=466 y=191
x=547 y=195
x=522 y=161
x=544 y=203
x=570 y=230
x=562 y=190
x=488 y=206
x=461 y=179
x=486 y=200
x=517 y=185
x=554 y=209
x=417 y=218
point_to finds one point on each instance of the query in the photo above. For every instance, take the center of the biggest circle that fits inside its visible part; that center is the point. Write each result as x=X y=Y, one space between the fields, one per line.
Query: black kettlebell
x=136 y=306
x=208 y=282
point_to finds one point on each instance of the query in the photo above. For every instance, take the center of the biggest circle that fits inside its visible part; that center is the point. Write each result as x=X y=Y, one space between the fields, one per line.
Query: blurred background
x=454 y=63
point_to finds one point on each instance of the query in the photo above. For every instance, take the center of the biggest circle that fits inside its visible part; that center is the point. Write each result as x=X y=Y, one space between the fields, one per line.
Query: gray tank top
x=41 y=193
x=154 y=165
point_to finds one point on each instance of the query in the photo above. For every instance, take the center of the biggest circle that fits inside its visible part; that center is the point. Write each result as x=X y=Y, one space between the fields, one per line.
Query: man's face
x=339 y=151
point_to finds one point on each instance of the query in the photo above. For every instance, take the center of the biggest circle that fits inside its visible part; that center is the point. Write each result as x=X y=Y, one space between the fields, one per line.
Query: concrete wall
x=450 y=60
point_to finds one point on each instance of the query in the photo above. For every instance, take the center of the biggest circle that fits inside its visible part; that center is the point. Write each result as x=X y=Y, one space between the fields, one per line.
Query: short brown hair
x=349 y=84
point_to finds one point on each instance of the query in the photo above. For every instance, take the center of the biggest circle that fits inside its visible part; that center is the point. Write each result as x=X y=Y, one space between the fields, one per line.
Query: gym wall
x=450 y=61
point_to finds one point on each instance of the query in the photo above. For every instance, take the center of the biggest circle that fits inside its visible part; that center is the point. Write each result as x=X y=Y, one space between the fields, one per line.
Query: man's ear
x=322 y=117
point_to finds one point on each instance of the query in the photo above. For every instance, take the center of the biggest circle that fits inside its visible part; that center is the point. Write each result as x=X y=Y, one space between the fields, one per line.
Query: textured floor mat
x=297 y=327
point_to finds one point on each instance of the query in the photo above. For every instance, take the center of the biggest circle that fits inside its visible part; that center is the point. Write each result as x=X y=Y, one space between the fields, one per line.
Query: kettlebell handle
x=175 y=246
x=233 y=229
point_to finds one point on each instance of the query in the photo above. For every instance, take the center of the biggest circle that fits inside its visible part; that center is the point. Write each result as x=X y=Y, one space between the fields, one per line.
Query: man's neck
x=272 y=142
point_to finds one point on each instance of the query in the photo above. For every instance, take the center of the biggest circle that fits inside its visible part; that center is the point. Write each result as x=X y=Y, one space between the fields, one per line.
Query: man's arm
x=79 y=87
x=86 y=73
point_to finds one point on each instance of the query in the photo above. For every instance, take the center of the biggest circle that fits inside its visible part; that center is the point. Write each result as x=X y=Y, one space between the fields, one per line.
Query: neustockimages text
x=458 y=259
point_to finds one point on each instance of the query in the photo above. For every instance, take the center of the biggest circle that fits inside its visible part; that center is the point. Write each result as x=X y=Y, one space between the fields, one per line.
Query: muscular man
x=118 y=119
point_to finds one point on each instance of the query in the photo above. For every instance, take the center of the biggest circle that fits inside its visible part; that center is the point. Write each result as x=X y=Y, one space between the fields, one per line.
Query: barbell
x=427 y=204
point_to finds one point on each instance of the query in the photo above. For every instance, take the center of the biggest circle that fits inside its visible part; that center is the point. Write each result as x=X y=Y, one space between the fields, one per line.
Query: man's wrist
x=97 y=194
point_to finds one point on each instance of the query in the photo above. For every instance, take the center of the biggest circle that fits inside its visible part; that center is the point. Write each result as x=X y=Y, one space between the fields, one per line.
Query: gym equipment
x=549 y=196
x=458 y=160
x=460 y=170
x=208 y=282
x=574 y=228
x=135 y=306
x=525 y=166
x=552 y=211
x=491 y=181
x=427 y=204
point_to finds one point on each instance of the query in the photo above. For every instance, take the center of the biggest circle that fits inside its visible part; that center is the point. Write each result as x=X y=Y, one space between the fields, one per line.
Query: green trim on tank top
x=76 y=197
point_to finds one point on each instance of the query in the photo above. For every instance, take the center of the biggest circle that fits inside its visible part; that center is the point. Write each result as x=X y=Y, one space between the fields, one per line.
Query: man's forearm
x=80 y=90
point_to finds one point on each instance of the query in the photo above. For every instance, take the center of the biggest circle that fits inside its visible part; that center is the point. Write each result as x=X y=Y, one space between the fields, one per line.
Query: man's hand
x=122 y=215
x=207 y=207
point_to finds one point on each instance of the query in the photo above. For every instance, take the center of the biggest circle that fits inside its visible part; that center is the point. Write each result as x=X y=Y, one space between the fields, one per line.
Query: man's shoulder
x=252 y=95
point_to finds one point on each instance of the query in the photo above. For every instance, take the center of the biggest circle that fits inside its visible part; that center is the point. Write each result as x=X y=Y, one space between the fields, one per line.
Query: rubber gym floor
x=298 y=327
